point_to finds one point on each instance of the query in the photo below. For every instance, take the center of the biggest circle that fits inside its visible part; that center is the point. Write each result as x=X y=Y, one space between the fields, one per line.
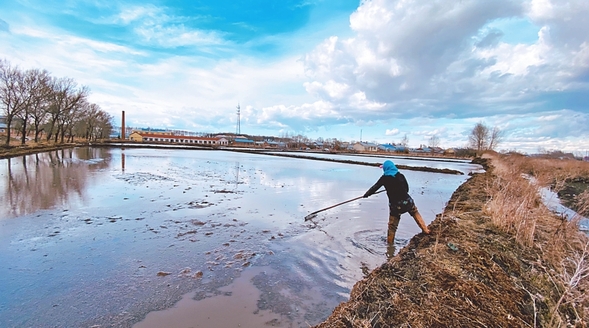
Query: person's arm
x=374 y=188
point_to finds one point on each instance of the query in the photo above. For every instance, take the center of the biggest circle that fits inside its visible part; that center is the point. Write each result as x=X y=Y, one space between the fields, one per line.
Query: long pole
x=312 y=215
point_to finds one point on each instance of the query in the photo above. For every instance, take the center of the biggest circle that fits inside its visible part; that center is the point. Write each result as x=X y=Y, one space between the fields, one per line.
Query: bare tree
x=40 y=106
x=495 y=138
x=104 y=125
x=34 y=93
x=405 y=141
x=57 y=105
x=12 y=103
x=479 y=137
x=91 y=123
x=483 y=138
x=66 y=99
x=60 y=88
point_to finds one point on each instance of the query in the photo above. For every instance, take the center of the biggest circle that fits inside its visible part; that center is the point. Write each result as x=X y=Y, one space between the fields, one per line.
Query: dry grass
x=516 y=208
x=513 y=206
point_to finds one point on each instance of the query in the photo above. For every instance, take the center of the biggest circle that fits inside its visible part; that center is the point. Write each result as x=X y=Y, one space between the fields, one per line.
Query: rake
x=314 y=214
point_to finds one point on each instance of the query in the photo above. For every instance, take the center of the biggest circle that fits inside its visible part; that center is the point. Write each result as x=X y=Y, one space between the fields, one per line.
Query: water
x=99 y=236
x=461 y=165
x=552 y=201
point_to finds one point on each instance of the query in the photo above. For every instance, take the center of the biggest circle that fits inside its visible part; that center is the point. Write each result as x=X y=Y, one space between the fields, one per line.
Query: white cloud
x=392 y=132
x=515 y=59
x=151 y=13
x=540 y=9
x=331 y=89
x=156 y=27
x=177 y=36
x=548 y=118
x=420 y=58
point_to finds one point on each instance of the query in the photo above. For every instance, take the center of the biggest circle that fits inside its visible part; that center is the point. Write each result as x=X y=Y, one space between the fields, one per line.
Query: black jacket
x=396 y=186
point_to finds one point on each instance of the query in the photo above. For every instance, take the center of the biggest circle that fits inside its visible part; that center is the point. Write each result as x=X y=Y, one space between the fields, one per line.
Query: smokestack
x=123 y=135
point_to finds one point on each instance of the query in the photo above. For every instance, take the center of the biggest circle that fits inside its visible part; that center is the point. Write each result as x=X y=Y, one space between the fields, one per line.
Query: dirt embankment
x=400 y=166
x=572 y=190
x=33 y=148
x=28 y=149
x=466 y=273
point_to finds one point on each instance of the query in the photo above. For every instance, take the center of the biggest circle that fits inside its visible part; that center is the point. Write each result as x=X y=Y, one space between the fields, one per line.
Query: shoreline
x=17 y=151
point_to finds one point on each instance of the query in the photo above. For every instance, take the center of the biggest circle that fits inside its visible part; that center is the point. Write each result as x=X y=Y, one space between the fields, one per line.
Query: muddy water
x=112 y=237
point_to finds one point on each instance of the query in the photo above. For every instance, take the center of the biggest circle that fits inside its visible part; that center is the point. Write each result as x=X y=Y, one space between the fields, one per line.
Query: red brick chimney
x=123 y=135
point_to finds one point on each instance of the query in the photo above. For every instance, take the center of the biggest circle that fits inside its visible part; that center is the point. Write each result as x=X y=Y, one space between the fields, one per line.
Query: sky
x=373 y=71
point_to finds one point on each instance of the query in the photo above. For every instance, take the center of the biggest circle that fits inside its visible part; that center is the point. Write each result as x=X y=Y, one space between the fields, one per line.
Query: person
x=400 y=202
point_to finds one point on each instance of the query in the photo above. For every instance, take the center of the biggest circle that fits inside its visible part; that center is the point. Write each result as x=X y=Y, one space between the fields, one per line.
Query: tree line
x=37 y=104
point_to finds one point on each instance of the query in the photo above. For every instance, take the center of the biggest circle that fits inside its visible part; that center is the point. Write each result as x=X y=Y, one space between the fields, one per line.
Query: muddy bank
x=465 y=274
x=571 y=191
x=400 y=166
x=14 y=151
x=35 y=148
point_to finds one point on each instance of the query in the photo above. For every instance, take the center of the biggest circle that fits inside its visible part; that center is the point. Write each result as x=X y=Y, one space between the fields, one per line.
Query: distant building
x=243 y=142
x=270 y=144
x=392 y=148
x=166 y=136
x=365 y=146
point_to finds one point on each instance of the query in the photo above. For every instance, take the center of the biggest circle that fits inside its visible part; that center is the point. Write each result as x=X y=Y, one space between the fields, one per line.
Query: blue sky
x=376 y=70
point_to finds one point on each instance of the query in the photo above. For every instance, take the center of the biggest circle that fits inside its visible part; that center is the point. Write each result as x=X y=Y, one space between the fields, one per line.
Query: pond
x=203 y=238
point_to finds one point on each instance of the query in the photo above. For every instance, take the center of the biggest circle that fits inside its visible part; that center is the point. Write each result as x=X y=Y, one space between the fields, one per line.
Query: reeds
x=515 y=207
x=514 y=204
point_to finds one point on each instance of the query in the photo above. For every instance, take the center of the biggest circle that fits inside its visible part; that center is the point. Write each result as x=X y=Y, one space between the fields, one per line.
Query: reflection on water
x=99 y=236
x=45 y=180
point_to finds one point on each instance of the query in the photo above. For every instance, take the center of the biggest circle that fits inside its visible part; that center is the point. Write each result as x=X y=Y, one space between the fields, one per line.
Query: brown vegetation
x=400 y=166
x=15 y=149
x=496 y=258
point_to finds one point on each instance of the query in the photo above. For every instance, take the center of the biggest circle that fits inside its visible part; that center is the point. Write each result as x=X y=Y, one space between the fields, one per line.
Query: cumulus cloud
x=441 y=59
x=392 y=132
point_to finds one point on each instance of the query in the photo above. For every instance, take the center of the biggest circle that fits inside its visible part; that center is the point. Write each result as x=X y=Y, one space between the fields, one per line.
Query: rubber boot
x=391 y=250
x=419 y=220
x=393 y=224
